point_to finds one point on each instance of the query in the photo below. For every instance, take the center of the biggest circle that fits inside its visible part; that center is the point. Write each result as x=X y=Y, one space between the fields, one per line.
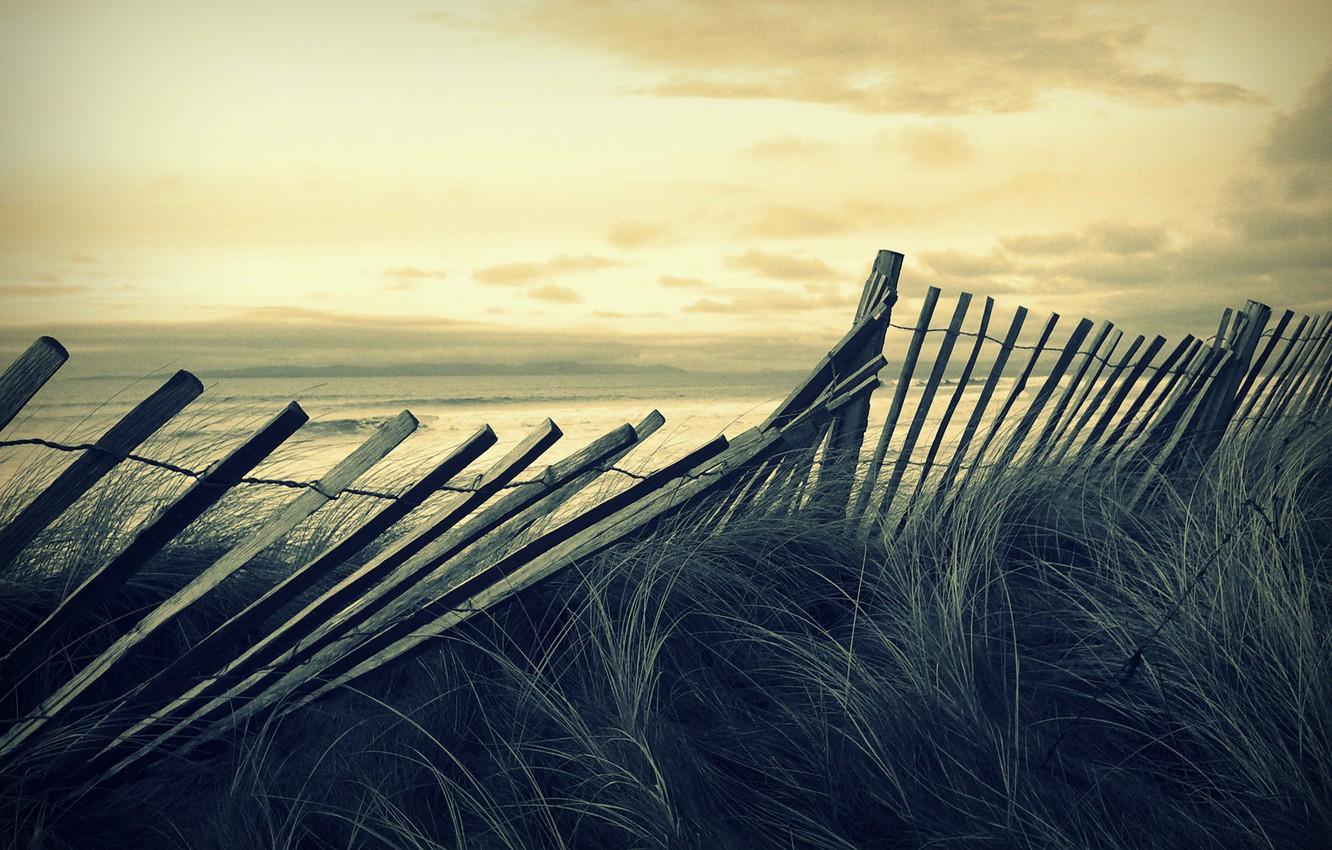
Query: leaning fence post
x=112 y=448
x=28 y=374
x=210 y=487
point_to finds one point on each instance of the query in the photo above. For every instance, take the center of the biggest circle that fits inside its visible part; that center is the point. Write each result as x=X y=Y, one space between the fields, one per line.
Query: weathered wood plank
x=1092 y=442
x=982 y=402
x=1175 y=380
x=170 y=522
x=963 y=383
x=1062 y=415
x=708 y=463
x=1247 y=394
x=28 y=374
x=881 y=287
x=1019 y=385
x=91 y=466
x=229 y=639
x=1093 y=392
x=1037 y=406
x=1272 y=385
x=941 y=358
x=866 y=492
x=1135 y=414
x=361 y=459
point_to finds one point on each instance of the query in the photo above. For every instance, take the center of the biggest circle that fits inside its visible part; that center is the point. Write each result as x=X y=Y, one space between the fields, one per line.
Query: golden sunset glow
x=702 y=184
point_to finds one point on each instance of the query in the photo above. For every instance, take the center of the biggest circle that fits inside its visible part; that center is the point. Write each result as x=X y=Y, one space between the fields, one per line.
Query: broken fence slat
x=1058 y=420
x=836 y=362
x=963 y=382
x=389 y=435
x=91 y=466
x=982 y=401
x=1113 y=406
x=1247 y=394
x=1148 y=391
x=922 y=412
x=170 y=522
x=1019 y=386
x=326 y=669
x=866 y=492
x=881 y=286
x=1093 y=392
x=28 y=374
x=228 y=640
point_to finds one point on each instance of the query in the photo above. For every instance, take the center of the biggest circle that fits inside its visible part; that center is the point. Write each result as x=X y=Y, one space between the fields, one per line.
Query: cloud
x=958 y=264
x=781 y=221
x=672 y=282
x=936 y=146
x=83 y=258
x=1272 y=242
x=787 y=147
x=867 y=55
x=1120 y=238
x=522 y=274
x=1043 y=243
x=782 y=267
x=509 y=274
x=1303 y=136
x=752 y=303
x=635 y=234
x=46 y=290
x=408 y=278
x=555 y=294
x=306 y=337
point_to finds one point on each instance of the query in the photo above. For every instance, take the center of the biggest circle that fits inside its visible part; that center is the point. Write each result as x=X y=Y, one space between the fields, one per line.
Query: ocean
x=345 y=411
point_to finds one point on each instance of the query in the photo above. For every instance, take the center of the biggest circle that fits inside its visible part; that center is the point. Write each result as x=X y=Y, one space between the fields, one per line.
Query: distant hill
x=411 y=370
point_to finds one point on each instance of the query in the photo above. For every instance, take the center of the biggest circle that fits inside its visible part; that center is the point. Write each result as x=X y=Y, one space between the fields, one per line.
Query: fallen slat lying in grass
x=91 y=466
x=292 y=514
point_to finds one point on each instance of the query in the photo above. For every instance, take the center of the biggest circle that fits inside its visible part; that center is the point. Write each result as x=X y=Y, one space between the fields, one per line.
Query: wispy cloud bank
x=410 y=279
x=1274 y=229
x=306 y=337
x=522 y=274
x=867 y=55
x=636 y=234
x=42 y=290
x=782 y=267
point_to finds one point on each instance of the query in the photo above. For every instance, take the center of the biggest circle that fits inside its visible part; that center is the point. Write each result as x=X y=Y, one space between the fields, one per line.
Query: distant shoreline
x=462 y=370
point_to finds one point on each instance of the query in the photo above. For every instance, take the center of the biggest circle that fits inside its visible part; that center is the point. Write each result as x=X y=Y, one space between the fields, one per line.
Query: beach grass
x=1044 y=664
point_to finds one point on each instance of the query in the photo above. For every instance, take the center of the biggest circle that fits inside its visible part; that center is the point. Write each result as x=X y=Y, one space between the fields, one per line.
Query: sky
x=700 y=184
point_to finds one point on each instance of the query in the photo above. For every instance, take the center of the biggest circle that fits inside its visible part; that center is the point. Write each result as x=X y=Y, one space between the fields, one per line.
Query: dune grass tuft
x=1042 y=665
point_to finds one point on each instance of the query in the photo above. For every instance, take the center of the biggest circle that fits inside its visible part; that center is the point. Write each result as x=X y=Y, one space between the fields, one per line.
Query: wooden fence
x=969 y=395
